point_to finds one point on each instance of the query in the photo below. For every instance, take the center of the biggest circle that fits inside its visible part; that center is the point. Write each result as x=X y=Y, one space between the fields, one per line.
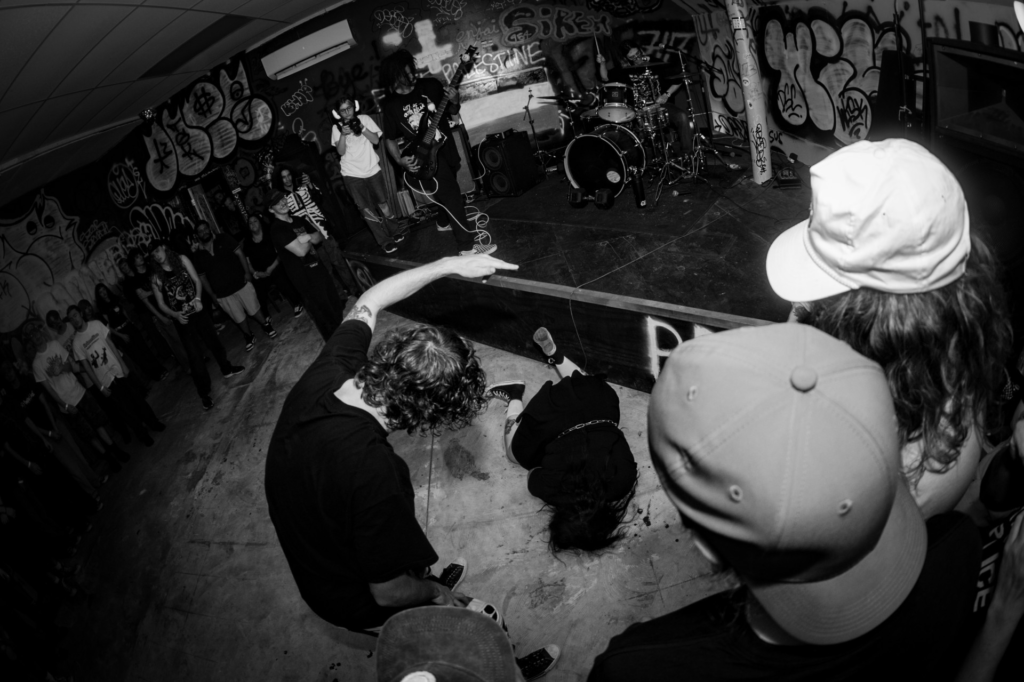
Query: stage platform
x=618 y=288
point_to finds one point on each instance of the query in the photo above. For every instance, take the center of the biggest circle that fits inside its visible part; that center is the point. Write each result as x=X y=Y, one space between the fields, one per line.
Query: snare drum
x=607 y=158
x=652 y=118
x=616 y=103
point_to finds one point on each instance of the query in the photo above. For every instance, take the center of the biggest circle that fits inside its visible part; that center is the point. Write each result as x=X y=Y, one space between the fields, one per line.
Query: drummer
x=632 y=57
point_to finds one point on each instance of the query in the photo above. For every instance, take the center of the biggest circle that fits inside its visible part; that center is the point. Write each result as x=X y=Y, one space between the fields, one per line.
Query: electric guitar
x=424 y=147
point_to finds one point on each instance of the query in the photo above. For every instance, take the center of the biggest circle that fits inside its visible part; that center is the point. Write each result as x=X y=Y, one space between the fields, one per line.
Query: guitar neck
x=435 y=120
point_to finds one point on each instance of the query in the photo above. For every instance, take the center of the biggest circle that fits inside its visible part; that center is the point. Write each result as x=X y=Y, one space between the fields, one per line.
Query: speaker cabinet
x=508 y=164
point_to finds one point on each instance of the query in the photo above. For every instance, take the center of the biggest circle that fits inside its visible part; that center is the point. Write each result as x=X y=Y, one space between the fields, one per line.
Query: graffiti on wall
x=124 y=183
x=825 y=72
x=624 y=8
x=524 y=24
x=447 y=11
x=206 y=124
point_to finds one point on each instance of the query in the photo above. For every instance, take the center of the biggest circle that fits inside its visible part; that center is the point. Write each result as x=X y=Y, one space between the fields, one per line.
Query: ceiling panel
x=94 y=102
x=261 y=8
x=161 y=36
x=66 y=45
x=222 y=6
x=172 y=36
x=11 y=123
x=164 y=90
x=115 y=109
x=181 y=4
x=25 y=29
x=50 y=115
x=237 y=42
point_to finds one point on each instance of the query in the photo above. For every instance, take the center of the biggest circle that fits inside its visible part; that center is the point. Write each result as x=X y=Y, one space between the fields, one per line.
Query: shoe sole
x=502 y=384
x=542 y=337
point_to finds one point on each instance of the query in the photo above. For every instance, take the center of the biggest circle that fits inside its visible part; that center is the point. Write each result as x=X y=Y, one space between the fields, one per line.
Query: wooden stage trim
x=625 y=338
x=706 y=318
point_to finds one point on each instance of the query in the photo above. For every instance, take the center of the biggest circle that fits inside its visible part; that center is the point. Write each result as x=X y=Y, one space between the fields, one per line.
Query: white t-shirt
x=360 y=159
x=48 y=366
x=91 y=346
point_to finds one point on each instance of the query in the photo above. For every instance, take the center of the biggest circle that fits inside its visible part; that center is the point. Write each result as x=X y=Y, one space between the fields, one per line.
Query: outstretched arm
x=406 y=283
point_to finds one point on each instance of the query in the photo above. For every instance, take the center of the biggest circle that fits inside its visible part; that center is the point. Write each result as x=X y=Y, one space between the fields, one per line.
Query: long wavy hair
x=276 y=182
x=156 y=271
x=591 y=522
x=392 y=68
x=943 y=352
x=425 y=379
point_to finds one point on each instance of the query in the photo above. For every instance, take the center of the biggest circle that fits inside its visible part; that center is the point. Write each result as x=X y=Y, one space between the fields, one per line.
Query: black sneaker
x=207 y=402
x=233 y=370
x=389 y=247
x=250 y=342
x=507 y=390
x=298 y=311
x=539 y=663
x=400 y=237
x=453 y=573
x=269 y=330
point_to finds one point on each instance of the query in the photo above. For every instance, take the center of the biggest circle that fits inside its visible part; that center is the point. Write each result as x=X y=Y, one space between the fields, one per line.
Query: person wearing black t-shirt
x=266 y=267
x=296 y=241
x=409 y=99
x=178 y=293
x=778 y=446
x=568 y=438
x=340 y=499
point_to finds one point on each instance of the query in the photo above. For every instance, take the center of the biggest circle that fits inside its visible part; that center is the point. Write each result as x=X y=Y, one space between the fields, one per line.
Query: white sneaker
x=480 y=250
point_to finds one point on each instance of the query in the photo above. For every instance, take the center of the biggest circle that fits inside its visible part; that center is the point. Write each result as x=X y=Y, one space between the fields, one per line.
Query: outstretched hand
x=474 y=267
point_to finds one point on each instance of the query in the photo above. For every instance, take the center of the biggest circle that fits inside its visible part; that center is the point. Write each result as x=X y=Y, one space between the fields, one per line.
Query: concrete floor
x=184 y=578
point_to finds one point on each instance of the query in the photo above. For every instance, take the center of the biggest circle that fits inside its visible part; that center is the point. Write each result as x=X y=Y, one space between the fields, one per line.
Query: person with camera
x=354 y=137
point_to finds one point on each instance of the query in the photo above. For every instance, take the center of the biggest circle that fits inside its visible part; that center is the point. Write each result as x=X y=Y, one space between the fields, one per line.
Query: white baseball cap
x=884 y=215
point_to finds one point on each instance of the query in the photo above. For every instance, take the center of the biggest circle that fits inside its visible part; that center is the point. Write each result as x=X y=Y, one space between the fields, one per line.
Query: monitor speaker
x=508 y=164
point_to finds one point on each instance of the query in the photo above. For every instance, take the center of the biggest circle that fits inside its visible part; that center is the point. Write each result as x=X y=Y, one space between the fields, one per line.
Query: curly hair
x=156 y=271
x=276 y=182
x=592 y=522
x=943 y=352
x=425 y=379
x=392 y=68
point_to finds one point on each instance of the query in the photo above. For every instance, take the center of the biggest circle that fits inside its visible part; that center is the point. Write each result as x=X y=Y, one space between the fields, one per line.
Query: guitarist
x=409 y=99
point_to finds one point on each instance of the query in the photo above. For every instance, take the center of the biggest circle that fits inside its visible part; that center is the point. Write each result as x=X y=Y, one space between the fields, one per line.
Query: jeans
x=443 y=189
x=371 y=196
x=197 y=333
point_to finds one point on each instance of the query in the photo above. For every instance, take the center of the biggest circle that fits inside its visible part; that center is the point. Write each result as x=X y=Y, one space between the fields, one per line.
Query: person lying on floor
x=579 y=461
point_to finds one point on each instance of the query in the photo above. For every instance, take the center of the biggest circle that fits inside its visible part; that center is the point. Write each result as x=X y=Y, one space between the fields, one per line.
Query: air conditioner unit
x=310 y=50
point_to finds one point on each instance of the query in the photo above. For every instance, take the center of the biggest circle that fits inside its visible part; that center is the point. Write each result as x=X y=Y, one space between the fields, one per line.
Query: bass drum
x=607 y=158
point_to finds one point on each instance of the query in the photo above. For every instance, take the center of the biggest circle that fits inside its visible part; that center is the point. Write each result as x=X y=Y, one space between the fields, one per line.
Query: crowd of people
x=841 y=465
x=859 y=468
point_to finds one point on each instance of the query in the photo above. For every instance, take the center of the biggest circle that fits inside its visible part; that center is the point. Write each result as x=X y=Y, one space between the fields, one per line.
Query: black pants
x=140 y=353
x=279 y=279
x=443 y=188
x=197 y=333
x=126 y=405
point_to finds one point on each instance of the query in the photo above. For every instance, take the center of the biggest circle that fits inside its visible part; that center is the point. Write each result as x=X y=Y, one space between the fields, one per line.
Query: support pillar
x=753 y=95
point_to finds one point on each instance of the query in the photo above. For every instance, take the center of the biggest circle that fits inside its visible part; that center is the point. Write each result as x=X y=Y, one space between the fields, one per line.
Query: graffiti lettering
x=477 y=34
x=91 y=236
x=526 y=23
x=124 y=183
x=789 y=104
x=774 y=137
x=656 y=352
x=299 y=128
x=299 y=99
x=393 y=18
x=624 y=8
x=854 y=114
x=730 y=125
x=706 y=29
x=759 y=148
x=499 y=5
x=155 y=221
x=448 y=11
x=507 y=61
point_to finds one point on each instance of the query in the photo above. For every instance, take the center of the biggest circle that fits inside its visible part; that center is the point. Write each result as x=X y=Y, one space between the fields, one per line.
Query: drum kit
x=620 y=134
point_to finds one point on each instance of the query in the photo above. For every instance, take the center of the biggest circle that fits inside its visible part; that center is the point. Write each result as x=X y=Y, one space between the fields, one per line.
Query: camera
x=355 y=125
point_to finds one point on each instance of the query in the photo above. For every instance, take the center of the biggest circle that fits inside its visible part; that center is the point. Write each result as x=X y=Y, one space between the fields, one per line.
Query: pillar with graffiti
x=753 y=95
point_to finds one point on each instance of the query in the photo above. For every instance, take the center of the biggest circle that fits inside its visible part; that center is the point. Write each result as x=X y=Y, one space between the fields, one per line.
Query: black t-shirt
x=113 y=311
x=179 y=290
x=402 y=114
x=925 y=639
x=261 y=255
x=542 y=445
x=341 y=500
x=137 y=282
x=282 y=234
x=222 y=268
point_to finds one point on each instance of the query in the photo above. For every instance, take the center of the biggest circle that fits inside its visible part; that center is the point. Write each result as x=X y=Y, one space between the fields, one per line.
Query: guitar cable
x=476 y=216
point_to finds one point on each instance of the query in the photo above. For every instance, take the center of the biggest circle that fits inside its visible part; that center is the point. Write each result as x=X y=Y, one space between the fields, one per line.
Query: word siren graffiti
x=835 y=96
x=206 y=125
x=524 y=24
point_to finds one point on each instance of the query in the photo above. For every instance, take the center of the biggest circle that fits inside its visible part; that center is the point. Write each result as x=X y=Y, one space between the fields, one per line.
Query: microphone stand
x=541 y=155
